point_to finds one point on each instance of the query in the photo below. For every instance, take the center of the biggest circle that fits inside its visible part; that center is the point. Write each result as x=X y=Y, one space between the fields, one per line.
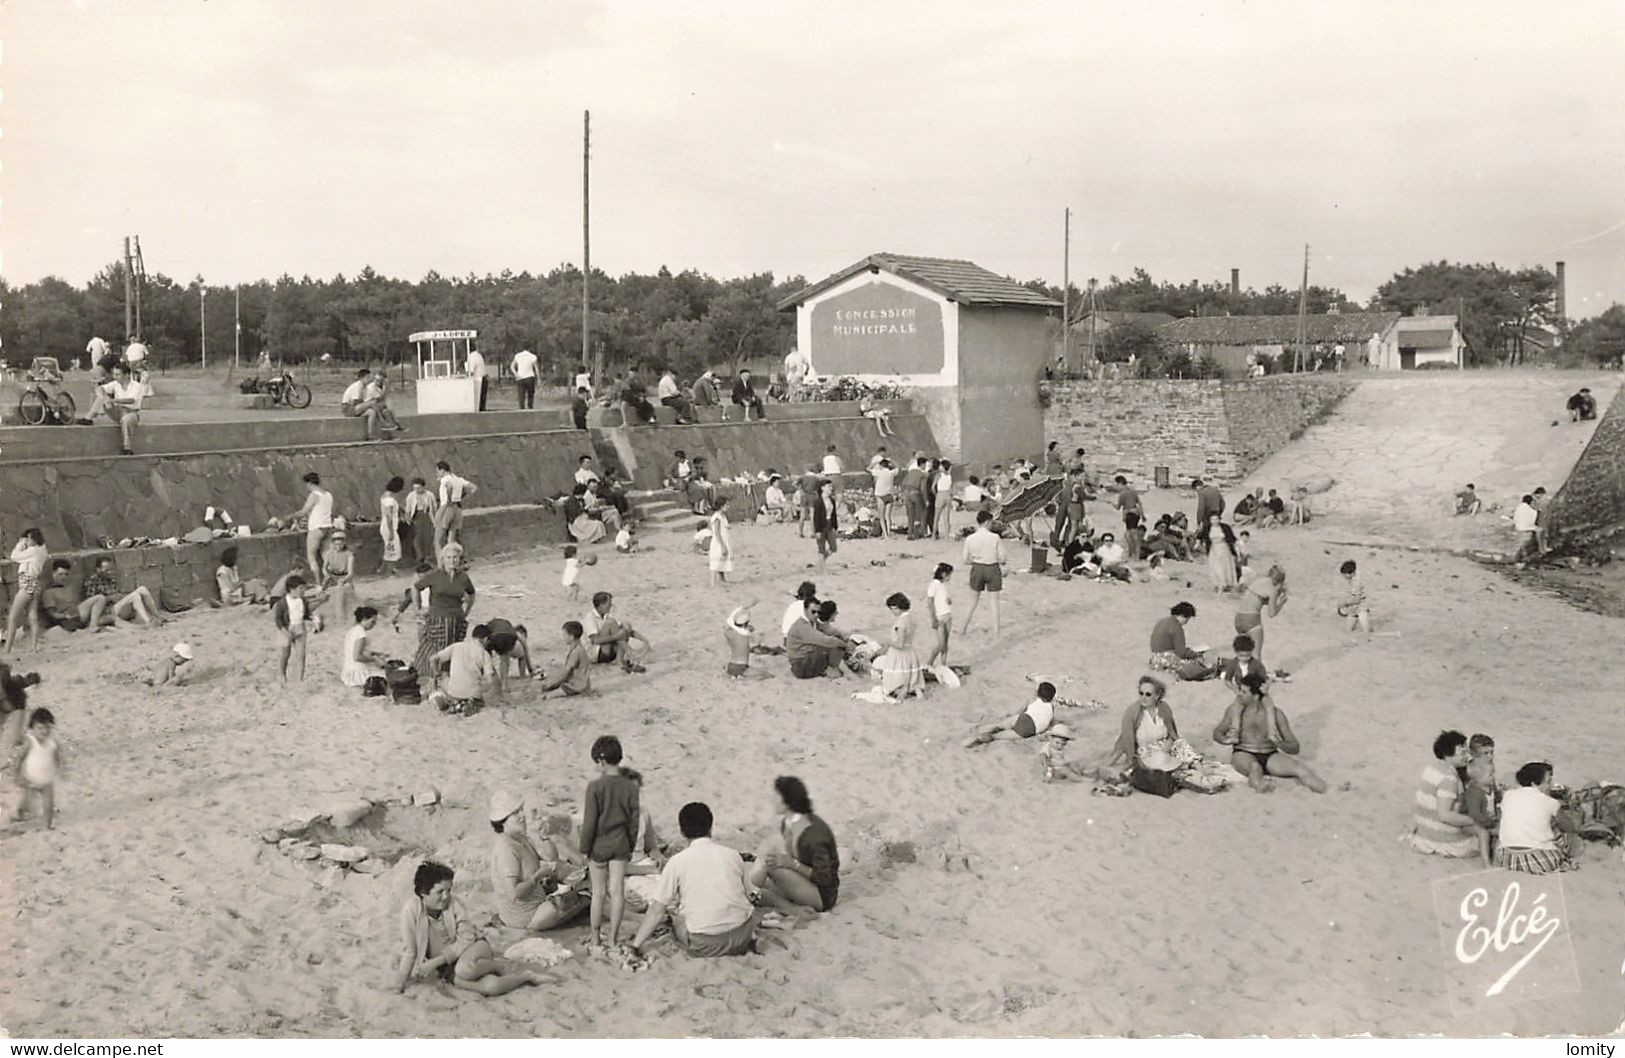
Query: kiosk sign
x=878 y=329
x=1506 y=937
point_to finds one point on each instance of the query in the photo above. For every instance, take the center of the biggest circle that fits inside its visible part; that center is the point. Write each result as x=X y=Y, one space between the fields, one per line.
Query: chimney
x=1235 y=280
x=1562 y=295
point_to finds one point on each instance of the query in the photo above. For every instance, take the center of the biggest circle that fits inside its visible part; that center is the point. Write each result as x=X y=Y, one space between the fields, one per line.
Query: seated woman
x=775 y=504
x=1439 y=827
x=1168 y=650
x=600 y=508
x=584 y=528
x=800 y=867
x=1246 y=512
x=1112 y=558
x=1534 y=836
x=1148 y=741
x=234 y=591
x=437 y=941
x=525 y=873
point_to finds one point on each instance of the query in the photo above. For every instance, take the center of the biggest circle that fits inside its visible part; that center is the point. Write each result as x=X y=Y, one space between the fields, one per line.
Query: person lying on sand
x=437 y=941
x=1263 y=742
x=1037 y=719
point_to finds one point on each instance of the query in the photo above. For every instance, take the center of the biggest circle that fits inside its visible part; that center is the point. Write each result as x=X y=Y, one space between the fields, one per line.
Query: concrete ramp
x=1400 y=446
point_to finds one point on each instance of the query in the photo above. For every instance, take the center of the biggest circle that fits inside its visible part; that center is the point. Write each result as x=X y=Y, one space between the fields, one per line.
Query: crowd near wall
x=1592 y=500
x=1209 y=428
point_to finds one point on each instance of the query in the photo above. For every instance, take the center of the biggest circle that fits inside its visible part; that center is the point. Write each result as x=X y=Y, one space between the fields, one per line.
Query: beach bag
x=1598 y=812
x=1152 y=781
x=401 y=681
x=375 y=687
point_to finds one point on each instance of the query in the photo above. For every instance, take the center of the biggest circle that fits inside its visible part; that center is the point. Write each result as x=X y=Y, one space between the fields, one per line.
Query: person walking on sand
x=984 y=554
x=939 y=606
x=825 y=521
x=31 y=557
x=722 y=550
x=1262 y=742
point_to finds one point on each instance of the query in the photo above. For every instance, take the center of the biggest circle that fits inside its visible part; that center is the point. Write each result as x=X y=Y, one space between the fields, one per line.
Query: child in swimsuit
x=1037 y=719
x=739 y=634
x=171 y=672
x=38 y=767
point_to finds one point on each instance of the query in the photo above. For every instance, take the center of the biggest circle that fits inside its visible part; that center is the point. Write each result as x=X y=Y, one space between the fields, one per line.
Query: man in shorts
x=453 y=491
x=984 y=555
x=1262 y=740
x=607 y=638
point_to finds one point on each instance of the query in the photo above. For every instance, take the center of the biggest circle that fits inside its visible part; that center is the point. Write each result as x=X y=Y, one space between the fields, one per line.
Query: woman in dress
x=1221 y=555
x=31 y=558
x=451 y=597
x=722 y=548
x=389 y=524
x=419 y=513
x=338 y=578
x=901 y=673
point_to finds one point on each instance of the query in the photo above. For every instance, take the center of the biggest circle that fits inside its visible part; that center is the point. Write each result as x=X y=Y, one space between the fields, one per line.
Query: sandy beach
x=153 y=909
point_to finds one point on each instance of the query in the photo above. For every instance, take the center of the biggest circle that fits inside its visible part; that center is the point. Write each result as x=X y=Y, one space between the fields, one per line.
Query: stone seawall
x=1195 y=427
x=180 y=576
x=1592 y=500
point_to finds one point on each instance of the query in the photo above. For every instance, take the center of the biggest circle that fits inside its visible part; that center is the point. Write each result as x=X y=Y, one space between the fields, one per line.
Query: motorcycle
x=282 y=389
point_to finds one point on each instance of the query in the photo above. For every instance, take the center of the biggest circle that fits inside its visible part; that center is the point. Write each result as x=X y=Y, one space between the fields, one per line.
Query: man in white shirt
x=796 y=372
x=97 y=348
x=448 y=526
x=885 y=475
x=984 y=554
x=476 y=371
x=358 y=402
x=524 y=372
x=705 y=890
x=671 y=395
x=833 y=470
x=1526 y=523
x=121 y=400
x=585 y=474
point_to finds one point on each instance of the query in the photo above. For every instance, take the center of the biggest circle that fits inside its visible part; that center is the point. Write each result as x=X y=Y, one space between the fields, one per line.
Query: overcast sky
x=246 y=138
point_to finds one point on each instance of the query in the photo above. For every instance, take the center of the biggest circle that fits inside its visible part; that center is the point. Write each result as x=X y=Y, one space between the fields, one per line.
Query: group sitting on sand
x=710 y=898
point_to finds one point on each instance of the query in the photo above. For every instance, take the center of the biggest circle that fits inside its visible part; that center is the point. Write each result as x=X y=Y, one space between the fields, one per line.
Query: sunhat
x=183 y=650
x=504 y=803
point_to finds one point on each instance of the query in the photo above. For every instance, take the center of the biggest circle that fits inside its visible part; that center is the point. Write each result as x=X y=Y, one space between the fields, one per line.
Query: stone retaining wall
x=185 y=574
x=1207 y=428
x=1592 y=500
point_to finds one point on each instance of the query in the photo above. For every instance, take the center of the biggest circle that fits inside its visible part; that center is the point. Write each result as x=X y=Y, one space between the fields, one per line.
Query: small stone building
x=1368 y=338
x=968 y=346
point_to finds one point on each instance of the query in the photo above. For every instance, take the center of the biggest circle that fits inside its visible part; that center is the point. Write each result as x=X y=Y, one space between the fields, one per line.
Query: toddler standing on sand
x=1353 y=606
x=571 y=578
x=609 y=820
x=38 y=766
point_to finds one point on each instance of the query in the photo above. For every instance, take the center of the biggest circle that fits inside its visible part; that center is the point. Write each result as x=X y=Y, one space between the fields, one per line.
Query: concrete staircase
x=661 y=512
x=1400 y=446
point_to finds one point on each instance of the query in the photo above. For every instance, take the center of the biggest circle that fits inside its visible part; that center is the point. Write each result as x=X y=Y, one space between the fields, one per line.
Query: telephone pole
x=129 y=294
x=1303 y=310
x=1066 y=293
x=203 y=325
x=140 y=276
x=237 y=337
x=596 y=360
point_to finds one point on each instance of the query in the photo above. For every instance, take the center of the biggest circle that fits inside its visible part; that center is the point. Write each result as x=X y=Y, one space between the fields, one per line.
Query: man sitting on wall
x=745 y=395
x=361 y=400
x=671 y=395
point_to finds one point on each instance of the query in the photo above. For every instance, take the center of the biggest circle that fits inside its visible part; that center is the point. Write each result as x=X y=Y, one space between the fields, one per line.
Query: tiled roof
x=1426 y=332
x=961 y=281
x=1277 y=330
x=1149 y=319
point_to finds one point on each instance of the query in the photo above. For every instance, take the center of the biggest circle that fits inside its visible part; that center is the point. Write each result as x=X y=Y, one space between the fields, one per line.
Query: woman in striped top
x=1439 y=826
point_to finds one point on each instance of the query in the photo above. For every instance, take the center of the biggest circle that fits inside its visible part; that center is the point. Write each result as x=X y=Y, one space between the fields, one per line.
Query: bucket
x=1161 y=475
x=1040 y=558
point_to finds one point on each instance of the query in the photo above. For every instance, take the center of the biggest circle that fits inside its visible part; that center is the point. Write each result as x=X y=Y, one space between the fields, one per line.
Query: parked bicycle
x=43 y=399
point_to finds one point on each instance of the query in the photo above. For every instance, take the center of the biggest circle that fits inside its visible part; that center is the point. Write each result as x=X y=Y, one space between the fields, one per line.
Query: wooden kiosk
x=443 y=383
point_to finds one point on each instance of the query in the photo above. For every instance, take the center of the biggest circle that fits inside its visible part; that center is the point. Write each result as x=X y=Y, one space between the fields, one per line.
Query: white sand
x=153 y=909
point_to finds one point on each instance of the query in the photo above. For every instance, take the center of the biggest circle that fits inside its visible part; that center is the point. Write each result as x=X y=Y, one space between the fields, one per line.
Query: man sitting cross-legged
x=1263 y=742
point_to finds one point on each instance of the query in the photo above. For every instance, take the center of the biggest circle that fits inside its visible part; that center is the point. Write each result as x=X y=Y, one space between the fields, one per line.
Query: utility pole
x=237 y=337
x=597 y=360
x=1303 y=310
x=203 y=325
x=141 y=274
x=1066 y=294
x=129 y=295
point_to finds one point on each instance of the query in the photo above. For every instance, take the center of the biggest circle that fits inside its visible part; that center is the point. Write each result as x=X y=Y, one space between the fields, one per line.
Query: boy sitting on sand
x=1037 y=719
x=172 y=671
x=574 y=676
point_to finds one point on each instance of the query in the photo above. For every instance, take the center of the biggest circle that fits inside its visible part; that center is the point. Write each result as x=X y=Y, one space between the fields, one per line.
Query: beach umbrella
x=1029 y=500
